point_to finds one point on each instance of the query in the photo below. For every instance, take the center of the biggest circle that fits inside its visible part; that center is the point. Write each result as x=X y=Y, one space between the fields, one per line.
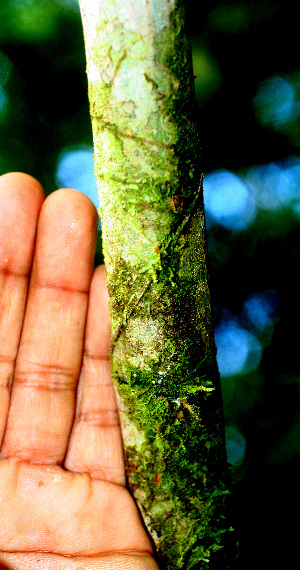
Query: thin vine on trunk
x=147 y=163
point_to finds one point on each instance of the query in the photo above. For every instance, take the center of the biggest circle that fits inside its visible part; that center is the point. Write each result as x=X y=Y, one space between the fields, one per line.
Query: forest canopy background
x=247 y=80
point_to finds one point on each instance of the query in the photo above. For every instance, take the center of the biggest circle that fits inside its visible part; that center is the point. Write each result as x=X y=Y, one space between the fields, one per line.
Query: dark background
x=246 y=62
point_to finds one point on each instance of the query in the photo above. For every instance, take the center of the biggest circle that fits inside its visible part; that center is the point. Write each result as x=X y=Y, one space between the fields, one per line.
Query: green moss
x=174 y=474
x=148 y=171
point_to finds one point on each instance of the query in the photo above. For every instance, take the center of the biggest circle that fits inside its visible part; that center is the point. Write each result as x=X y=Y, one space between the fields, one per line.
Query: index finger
x=50 y=351
x=21 y=198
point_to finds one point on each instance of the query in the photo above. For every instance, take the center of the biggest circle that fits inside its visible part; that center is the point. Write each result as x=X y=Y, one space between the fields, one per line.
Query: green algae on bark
x=149 y=179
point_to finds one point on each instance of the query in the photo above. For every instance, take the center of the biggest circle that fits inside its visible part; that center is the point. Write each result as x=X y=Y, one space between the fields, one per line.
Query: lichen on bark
x=147 y=163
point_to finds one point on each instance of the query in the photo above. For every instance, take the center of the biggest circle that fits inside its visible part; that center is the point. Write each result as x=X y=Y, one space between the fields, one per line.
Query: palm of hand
x=63 y=501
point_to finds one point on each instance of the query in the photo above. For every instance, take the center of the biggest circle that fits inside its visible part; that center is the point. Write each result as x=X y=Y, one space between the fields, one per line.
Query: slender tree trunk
x=149 y=178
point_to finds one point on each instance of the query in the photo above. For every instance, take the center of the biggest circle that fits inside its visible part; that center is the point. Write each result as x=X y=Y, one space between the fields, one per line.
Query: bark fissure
x=161 y=250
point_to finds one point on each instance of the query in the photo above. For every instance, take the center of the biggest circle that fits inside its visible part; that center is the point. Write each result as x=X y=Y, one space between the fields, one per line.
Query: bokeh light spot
x=5 y=71
x=207 y=74
x=235 y=446
x=3 y=103
x=261 y=309
x=275 y=186
x=238 y=350
x=274 y=101
x=227 y=201
x=75 y=169
x=229 y=19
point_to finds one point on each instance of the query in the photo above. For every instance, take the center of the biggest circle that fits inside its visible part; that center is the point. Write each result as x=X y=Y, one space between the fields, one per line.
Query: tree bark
x=147 y=163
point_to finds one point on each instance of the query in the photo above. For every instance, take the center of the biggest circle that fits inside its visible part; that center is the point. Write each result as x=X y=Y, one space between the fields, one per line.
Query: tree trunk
x=147 y=164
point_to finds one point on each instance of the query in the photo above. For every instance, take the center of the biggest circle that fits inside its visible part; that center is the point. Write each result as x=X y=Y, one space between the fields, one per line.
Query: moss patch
x=147 y=159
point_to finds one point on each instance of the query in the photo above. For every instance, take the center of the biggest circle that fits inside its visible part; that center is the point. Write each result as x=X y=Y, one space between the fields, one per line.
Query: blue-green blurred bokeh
x=247 y=68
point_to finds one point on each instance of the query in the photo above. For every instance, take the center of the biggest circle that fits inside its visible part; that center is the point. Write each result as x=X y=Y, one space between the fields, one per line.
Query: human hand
x=63 y=500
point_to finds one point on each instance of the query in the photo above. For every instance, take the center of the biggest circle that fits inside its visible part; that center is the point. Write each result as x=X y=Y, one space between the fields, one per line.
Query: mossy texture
x=151 y=205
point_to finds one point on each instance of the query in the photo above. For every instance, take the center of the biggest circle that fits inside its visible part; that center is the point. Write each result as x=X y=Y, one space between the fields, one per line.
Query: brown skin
x=63 y=500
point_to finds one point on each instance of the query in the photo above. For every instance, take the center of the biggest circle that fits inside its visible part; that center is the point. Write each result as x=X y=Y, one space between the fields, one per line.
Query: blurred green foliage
x=46 y=88
x=246 y=63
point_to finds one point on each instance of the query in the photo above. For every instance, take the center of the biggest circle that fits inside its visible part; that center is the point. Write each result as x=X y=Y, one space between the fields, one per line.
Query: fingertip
x=100 y=278
x=98 y=320
x=22 y=183
x=21 y=199
x=99 y=292
x=65 y=197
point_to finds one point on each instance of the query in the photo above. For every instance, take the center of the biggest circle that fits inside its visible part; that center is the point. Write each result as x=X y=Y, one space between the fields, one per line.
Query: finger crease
x=56 y=381
x=100 y=418
x=6 y=383
x=9 y=271
x=66 y=288
x=7 y=359
x=95 y=356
